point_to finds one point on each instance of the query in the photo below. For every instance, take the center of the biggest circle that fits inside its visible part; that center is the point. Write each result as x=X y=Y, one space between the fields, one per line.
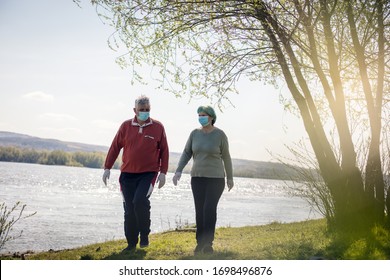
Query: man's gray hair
x=142 y=100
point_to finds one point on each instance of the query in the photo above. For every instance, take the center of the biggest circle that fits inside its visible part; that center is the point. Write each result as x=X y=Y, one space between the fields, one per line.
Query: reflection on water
x=74 y=208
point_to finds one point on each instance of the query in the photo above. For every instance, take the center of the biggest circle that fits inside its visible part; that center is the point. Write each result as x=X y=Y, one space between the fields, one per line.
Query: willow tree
x=332 y=55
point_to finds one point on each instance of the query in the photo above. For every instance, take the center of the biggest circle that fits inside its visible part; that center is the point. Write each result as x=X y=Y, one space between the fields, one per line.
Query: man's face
x=142 y=112
x=142 y=108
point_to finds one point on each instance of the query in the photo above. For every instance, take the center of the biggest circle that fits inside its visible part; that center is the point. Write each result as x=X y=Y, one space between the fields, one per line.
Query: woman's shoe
x=208 y=250
x=198 y=249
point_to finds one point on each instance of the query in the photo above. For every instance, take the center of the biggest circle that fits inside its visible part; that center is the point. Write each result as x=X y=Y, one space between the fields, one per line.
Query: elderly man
x=144 y=163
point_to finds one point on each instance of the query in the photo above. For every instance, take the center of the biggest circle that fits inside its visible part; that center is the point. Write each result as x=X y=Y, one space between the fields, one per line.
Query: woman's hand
x=230 y=184
x=176 y=178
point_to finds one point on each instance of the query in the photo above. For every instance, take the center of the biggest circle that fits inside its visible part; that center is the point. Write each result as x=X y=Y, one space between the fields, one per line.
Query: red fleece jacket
x=145 y=147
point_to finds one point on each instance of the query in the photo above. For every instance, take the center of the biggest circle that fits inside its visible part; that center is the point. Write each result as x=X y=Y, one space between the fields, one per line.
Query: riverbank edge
x=179 y=244
x=305 y=240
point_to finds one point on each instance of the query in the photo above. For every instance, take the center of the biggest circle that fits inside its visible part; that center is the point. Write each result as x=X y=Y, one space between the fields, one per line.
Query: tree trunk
x=374 y=183
x=344 y=181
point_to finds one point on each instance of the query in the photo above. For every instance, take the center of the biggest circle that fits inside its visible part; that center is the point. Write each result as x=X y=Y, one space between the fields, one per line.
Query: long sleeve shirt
x=210 y=153
x=145 y=147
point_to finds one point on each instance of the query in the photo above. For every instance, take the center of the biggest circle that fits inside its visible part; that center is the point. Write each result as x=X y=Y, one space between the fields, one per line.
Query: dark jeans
x=136 y=204
x=206 y=192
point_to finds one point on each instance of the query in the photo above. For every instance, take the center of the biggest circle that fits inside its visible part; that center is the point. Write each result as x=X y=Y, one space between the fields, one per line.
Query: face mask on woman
x=204 y=120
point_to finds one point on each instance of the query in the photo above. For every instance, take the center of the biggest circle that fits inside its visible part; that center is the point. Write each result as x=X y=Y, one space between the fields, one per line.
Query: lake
x=75 y=208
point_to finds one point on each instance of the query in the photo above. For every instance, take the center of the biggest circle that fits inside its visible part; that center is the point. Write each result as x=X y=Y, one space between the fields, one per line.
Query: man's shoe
x=144 y=242
x=128 y=249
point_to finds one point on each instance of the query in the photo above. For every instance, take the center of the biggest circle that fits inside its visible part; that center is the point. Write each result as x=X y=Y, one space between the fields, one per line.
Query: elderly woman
x=209 y=148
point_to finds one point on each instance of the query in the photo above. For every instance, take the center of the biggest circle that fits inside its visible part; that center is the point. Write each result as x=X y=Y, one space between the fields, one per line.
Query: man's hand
x=176 y=178
x=106 y=175
x=161 y=180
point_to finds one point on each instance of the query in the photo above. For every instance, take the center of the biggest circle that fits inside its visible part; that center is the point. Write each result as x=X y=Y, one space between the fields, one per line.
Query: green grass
x=276 y=241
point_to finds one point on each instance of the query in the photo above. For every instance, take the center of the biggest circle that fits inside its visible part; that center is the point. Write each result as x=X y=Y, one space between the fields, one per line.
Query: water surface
x=74 y=208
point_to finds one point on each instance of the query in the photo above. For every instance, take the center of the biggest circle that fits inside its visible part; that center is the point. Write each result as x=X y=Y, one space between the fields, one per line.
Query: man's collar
x=134 y=122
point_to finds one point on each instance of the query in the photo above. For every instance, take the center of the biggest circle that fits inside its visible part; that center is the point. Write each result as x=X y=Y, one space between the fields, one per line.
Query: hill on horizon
x=31 y=142
x=242 y=167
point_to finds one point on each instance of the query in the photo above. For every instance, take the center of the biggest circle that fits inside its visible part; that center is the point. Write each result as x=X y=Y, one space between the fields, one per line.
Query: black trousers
x=136 y=204
x=206 y=192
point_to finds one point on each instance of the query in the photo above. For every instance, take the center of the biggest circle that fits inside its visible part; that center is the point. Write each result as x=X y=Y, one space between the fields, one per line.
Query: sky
x=59 y=80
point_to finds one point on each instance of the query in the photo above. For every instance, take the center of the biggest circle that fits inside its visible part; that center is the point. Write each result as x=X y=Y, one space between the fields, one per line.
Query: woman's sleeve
x=186 y=155
x=227 y=161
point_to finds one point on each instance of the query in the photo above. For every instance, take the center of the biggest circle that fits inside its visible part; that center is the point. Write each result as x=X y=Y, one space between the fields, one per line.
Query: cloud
x=60 y=133
x=5 y=126
x=107 y=125
x=38 y=96
x=57 y=117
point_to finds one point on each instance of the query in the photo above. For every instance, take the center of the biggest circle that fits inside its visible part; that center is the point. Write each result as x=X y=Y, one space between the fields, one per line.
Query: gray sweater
x=210 y=152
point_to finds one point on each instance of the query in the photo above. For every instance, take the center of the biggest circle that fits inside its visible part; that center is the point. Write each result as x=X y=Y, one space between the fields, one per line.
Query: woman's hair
x=209 y=111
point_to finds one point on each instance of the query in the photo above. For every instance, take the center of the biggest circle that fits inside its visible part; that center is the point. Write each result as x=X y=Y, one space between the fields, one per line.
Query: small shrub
x=8 y=220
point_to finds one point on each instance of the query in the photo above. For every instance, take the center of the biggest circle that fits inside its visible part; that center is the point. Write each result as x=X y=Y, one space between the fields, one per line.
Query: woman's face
x=204 y=119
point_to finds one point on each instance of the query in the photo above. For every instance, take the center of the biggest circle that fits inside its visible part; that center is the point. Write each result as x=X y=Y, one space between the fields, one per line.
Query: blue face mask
x=143 y=116
x=204 y=120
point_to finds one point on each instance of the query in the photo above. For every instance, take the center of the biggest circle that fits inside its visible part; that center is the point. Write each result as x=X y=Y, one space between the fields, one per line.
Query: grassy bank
x=294 y=241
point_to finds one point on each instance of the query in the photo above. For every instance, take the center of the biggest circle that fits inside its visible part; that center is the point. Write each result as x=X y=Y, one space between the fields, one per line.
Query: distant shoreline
x=95 y=160
x=16 y=147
